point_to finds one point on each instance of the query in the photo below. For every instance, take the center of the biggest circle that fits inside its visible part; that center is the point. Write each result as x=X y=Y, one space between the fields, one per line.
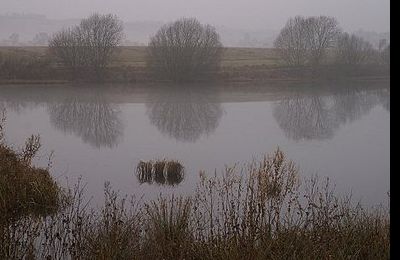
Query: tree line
x=186 y=49
x=309 y=41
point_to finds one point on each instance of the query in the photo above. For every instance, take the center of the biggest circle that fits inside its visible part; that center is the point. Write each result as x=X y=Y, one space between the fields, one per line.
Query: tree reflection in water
x=318 y=117
x=17 y=106
x=94 y=120
x=384 y=98
x=352 y=105
x=305 y=118
x=184 y=113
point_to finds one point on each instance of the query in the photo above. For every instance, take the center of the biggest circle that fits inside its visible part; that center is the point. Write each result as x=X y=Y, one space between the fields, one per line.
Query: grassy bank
x=135 y=55
x=34 y=65
x=262 y=211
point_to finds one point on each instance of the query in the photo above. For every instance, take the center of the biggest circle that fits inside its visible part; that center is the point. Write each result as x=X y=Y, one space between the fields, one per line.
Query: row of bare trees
x=179 y=51
x=319 y=39
x=187 y=50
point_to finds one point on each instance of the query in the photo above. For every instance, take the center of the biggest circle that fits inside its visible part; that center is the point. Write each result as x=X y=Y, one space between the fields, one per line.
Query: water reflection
x=187 y=113
x=305 y=118
x=184 y=113
x=319 y=116
x=384 y=99
x=93 y=119
x=17 y=106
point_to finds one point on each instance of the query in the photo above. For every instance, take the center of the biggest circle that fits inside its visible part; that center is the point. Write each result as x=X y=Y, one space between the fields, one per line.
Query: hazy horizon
x=353 y=15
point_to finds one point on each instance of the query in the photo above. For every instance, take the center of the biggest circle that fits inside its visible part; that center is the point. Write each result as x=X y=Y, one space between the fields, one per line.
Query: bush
x=25 y=189
x=353 y=50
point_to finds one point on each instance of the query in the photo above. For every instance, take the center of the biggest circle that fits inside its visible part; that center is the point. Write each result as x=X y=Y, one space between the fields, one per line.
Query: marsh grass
x=27 y=193
x=168 y=232
x=162 y=172
x=261 y=211
x=25 y=189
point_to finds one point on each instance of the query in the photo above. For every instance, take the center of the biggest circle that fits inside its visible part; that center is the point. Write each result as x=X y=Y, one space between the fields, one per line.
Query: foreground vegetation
x=262 y=211
x=24 y=189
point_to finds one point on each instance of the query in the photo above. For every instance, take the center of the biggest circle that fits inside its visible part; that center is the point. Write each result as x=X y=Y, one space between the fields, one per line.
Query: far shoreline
x=238 y=66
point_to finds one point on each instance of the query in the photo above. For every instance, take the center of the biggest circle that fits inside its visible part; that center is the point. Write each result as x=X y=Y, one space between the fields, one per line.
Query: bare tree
x=14 y=39
x=291 y=42
x=101 y=35
x=184 y=50
x=41 y=39
x=352 y=50
x=304 y=41
x=90 y=45
x=322 y=32
x=384 y=51
x=382 y=44
x=67 y=45
x=385 y=55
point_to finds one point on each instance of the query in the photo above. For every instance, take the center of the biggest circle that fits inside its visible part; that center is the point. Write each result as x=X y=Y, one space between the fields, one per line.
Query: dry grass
x=134 y=56
x=18 y=63
x=168 y=232
x=25 y=189
x=231 y=57
x=237 y=57
x=262 y=212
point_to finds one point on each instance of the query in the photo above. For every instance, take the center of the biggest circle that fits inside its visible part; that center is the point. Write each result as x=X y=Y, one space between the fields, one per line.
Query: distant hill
x=25 y=27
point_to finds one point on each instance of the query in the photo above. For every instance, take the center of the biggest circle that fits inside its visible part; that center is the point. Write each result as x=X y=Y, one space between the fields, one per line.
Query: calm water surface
x=340 y=132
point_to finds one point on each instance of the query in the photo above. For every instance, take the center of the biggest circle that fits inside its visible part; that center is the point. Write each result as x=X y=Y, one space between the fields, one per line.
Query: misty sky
x=352 y=15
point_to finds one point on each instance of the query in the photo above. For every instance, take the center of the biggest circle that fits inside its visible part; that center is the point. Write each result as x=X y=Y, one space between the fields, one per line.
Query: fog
x=250 y=14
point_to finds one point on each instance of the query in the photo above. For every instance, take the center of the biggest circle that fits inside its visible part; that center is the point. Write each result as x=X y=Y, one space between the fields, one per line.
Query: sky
x=371 y=15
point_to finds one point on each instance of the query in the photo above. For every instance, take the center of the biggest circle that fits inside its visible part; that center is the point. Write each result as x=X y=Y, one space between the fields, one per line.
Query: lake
x=338 y=130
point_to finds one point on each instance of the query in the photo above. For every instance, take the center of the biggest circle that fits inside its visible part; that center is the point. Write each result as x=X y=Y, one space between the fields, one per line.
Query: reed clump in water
x=162 y=172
